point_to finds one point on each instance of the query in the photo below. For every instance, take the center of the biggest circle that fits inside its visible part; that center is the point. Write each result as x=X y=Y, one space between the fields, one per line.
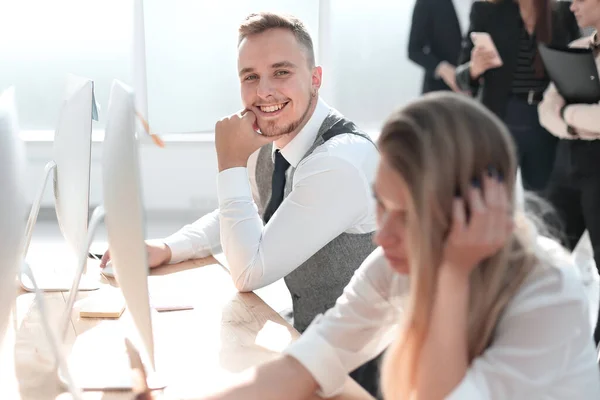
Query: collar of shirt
x=463 y=12
x=594 y=42
x=295 y=150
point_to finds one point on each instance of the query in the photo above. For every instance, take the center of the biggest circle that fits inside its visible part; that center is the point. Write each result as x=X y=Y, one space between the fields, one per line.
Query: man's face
x=277 y=83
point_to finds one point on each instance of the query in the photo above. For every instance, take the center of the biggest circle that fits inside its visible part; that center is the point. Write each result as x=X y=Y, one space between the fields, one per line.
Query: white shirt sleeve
x=329 y=196
x=542 y=340
x=364 y=321
x=197 y=240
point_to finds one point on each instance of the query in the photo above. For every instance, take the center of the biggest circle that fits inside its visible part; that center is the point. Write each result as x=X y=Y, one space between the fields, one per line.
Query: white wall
x=361 y=46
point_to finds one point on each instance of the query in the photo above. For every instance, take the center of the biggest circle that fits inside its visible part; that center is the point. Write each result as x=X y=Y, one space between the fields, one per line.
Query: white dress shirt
x=331 y=194
x=543 y=347
x=463 y=12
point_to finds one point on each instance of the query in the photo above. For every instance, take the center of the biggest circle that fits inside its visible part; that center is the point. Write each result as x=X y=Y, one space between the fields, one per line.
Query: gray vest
x=319 y=281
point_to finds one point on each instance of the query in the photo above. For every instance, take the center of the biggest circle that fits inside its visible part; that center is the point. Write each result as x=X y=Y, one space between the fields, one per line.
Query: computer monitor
x=12 y=206
x=70 y=169
x=124 y=218
x=123 y=214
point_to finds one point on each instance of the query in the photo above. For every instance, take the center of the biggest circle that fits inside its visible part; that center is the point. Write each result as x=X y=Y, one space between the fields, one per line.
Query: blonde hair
x=257 y=23
x=438 y=144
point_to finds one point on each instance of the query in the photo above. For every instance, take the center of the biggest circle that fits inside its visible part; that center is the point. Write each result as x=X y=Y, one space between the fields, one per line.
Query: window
x=191 y=56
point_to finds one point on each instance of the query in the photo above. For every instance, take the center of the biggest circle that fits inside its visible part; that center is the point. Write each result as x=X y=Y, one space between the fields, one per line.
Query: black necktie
x=277 y=185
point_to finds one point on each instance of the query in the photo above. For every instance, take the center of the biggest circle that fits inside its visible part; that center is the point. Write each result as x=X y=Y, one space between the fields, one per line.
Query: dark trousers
x=536 y=147
x=367 y=376
x=574 y=192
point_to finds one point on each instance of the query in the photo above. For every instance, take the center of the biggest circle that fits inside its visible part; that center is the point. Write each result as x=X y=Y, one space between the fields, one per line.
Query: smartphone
x=484 y=40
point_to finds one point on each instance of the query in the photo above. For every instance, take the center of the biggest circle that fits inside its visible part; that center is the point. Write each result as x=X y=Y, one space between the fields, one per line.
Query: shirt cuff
x=181 y=248
x=466 y=390
x=233 y=183
x=321 y=360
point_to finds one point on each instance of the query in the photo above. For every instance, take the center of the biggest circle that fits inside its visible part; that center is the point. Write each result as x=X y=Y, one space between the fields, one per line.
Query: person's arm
x=359 y=327
x=283 y=378
x=585 y=117
x=443 y=361
x=203 y=237
x=549 y=114
x=197 y=240
x=329 y=196
x=463 y=70
x=419 y=42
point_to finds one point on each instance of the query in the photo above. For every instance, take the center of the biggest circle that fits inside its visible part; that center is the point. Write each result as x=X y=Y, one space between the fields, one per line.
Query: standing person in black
x=436 y=33
x=574 y=186
x=514 y=90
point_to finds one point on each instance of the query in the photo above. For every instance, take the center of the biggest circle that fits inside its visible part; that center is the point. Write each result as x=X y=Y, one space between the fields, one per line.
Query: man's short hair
x=257 y=23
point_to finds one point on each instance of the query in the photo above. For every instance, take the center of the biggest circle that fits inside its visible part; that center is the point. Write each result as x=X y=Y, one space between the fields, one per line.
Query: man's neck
x=285 y=139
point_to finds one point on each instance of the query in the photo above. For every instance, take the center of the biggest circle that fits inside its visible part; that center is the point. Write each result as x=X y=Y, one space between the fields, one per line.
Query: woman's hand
x=481 y=60
x=472 y=240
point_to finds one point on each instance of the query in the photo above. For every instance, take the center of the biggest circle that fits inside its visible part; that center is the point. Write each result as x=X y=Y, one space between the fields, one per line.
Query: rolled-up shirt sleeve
x=364 y=321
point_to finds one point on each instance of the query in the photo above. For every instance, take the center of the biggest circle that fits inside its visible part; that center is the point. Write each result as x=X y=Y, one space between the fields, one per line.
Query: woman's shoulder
x=554 y=280
x=381 y=276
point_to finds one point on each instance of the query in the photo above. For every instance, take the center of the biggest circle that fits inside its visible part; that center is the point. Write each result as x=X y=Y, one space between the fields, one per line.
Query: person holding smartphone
x=513 y=88
x=574 y=187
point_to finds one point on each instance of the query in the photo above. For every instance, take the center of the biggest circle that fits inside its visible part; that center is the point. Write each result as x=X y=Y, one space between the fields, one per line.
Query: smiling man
x=294 y=178
x=294 y=182
x=294 y=199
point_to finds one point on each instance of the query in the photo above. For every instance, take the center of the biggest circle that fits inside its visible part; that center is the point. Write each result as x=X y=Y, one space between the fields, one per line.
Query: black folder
x=574 y=73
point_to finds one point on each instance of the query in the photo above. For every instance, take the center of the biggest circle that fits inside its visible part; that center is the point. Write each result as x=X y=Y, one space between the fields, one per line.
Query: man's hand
x=236 y=139
x=447 y=72
x=158 y=254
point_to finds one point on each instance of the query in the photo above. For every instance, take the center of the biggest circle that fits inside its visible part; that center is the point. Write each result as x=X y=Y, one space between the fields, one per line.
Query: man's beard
x=271 y=129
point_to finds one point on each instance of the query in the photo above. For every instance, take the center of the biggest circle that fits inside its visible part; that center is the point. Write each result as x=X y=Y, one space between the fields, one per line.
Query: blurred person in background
x=514 y=90
x=436 y=33
x=574 y=186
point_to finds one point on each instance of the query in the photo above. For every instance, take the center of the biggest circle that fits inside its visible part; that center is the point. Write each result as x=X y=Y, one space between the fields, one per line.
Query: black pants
x=574 y=191
x=536 y=147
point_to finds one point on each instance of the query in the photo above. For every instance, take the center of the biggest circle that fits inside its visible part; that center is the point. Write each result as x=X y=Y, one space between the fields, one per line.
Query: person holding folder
x=499 y=64
x=574 y=187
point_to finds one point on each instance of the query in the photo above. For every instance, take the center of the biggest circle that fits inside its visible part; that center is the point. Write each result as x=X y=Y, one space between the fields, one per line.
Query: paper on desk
x=105 y=303
x=167 y=296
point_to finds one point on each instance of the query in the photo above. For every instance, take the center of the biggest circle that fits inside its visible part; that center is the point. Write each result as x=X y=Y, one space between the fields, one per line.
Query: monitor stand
x=47 y=279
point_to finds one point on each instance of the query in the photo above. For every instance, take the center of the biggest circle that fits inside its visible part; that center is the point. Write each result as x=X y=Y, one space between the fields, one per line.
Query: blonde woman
x=474 y=302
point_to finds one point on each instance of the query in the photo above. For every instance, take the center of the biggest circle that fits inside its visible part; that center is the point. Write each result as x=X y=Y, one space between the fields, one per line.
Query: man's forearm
x=444 y=358
x=284 y=378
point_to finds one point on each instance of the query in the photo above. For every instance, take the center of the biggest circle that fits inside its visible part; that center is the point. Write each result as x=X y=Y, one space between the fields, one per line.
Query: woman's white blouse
x=542 y=348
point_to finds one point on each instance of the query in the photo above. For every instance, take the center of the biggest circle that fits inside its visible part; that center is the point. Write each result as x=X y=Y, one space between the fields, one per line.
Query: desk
x=199 y=350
